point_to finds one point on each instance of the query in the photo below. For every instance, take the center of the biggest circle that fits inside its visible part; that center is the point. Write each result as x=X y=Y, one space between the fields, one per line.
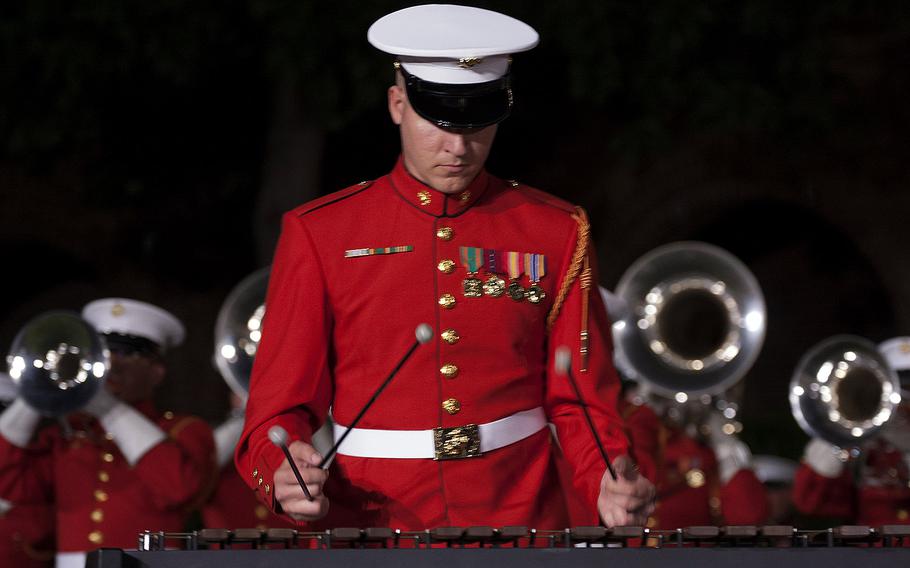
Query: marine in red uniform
x=874 y=489
x=123 y=467
x=701 y=479
x=26 y=529
x=501 y=272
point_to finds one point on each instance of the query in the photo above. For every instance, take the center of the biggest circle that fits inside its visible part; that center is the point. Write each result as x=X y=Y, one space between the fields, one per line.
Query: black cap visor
x=460 y=106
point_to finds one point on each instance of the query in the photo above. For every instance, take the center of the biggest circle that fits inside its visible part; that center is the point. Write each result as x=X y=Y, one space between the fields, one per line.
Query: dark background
x=147 y=150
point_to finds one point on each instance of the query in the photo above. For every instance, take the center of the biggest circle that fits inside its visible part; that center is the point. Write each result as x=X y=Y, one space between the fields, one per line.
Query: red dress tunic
x=336 y=325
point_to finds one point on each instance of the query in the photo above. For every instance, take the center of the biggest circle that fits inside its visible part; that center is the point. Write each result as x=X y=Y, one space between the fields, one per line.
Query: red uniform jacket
x=336 y=326
x=27 y=536
x=689 y=489
x=881 y=496
x=101 y=501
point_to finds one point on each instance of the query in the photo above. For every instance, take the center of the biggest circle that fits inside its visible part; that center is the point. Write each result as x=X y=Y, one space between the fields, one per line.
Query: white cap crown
x=135 y=318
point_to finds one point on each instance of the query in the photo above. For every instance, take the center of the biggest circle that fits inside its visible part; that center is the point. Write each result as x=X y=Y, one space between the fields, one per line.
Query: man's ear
x=397 y=101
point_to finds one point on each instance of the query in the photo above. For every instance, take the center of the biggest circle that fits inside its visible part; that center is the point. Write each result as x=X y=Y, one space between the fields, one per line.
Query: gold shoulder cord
x=579 y=268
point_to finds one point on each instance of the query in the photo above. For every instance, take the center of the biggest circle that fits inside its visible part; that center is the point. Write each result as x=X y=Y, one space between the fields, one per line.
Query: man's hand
x=629 y=500
x=288 y=491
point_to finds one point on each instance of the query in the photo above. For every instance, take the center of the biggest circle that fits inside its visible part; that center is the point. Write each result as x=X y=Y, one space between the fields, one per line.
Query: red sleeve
x=744 y=500
x=599 y=385
x=819 y=496
x=27 y=474
x=291 y=384
x=180 y=469
x=642 y=428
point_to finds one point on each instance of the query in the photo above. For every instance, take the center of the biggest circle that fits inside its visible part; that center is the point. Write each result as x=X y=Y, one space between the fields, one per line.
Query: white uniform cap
x=445 y=43
x=774 y=469
x=136 y=319
x=896 y=352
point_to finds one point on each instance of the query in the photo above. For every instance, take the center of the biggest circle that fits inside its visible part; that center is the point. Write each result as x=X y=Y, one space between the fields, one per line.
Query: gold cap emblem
x=468 y=62
x=117 y=310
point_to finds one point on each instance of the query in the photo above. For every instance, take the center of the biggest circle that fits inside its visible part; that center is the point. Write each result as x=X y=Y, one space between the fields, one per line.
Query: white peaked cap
x=896 y=352
x=135 y=318
x=450 y=44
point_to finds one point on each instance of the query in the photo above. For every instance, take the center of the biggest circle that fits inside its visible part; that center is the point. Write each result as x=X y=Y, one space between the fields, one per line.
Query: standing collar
x=432 y=202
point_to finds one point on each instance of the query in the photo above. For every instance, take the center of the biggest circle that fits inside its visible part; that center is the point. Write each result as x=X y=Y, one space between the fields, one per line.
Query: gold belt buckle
x=456 y=443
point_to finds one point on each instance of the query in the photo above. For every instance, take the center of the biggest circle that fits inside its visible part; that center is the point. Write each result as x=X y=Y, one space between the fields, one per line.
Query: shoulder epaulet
x=542 y=196
x=320 y=202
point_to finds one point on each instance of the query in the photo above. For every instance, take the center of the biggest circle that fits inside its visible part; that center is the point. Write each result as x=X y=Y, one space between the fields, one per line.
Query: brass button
x=465 y=195
x=451 y=405
x=107 y=457
x=424 y=197
x=104 y=476
x=446 y=266
x=267 y=488
x=96 y=537
x=903 y=515
x=97 y=515
x=108 y=436
x=695 y=478
x=255 y=472
x=445 y=233
x=260 y=481
x=169 y=415
x=100 y=496
x=261 y=513
x=450 y=336
x=449 y=371
x=447 y=301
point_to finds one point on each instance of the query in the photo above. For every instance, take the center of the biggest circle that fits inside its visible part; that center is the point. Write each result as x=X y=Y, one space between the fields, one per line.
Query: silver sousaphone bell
x=238 y=330
x=695 y=321
x=844 y=391
x=58 y=362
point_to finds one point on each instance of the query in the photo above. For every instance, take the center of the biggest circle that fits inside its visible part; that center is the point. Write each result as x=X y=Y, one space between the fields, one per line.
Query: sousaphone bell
x=58 y=362
x=695 y=322
x=843 y=391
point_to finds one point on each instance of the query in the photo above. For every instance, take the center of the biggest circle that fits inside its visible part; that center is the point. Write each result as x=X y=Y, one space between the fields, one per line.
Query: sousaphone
x=58 y=362
x=695 y=320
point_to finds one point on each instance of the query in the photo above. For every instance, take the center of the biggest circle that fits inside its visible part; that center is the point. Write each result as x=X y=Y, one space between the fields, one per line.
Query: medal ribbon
x=494 y=261
x=471 y=258
x=535 y=266
x=513 y=262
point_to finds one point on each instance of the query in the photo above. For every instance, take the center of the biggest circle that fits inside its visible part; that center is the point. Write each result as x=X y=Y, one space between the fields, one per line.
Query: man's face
x=134 y=377
x=447 y=160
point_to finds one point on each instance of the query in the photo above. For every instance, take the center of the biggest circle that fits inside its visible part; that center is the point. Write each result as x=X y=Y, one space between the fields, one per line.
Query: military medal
x=513 y=264
x=535 y=268
x=472 y=259
x=494 y=286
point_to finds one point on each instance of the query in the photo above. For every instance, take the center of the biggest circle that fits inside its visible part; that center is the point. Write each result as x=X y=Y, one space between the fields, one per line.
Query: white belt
x=441 y=443
x=70 y=560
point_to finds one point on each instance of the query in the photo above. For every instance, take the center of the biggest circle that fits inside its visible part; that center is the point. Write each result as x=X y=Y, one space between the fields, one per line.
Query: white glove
x=18 y=423
x=226 y=437
x=133 y=433
x=823 y=458
x=732 y=454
